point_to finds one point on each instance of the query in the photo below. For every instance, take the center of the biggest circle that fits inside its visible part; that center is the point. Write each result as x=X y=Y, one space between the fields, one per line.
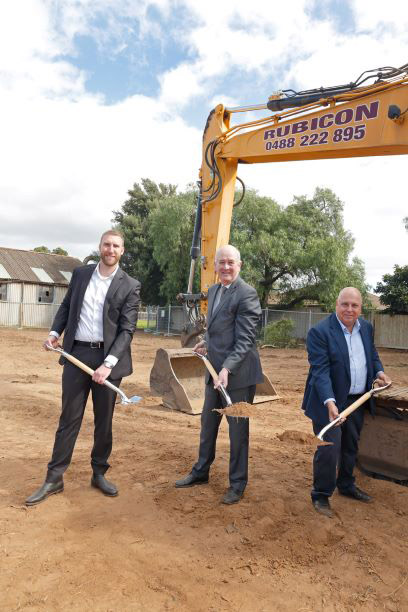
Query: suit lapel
x=367 y=345
x=224 y=302
x=86 y=277
x=341 y=342
x=114 y=286
x=211 y=296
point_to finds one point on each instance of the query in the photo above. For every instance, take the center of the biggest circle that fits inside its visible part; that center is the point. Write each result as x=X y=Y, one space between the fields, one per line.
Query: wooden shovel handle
x=210 y=369
x=78 y=363
x=356 y=404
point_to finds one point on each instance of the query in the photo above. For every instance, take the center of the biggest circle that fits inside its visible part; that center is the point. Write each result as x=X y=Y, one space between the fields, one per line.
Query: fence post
x=265 y=322
x=310 y=320
x=168 y=322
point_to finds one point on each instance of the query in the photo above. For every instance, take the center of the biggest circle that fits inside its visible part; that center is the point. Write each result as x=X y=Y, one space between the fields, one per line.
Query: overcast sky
x=97 y=94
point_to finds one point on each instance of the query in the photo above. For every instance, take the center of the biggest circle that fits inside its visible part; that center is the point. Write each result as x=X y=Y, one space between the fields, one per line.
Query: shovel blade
x=131 y=400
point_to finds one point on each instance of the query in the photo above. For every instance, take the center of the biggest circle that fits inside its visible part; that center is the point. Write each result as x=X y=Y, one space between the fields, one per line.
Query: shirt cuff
x=55 y=334
x=329 y=399
x=379 y=372
x=112 y=360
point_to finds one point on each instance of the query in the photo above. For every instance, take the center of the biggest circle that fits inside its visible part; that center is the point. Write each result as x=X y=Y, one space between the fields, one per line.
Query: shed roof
x=20 y=266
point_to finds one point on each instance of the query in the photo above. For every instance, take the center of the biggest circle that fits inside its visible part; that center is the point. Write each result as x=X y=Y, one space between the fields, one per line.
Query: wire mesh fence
x=169 y=320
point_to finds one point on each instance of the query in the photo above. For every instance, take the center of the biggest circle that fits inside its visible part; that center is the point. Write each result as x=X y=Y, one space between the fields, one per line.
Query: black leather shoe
x=190 y=481
x=108 y=488
x=47 y=489
x=231 y=496
x=322 y=505
x=358 y=494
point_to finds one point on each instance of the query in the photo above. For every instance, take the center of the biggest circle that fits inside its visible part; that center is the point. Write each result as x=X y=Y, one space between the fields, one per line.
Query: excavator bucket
x=383 y=447
x=178 y=376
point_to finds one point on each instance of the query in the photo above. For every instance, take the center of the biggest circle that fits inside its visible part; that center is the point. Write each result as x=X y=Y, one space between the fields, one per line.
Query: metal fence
x=390 y=331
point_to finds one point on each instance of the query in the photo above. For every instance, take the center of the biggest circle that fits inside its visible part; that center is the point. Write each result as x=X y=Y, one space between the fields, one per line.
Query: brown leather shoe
x=47 y=489
x=322 y=505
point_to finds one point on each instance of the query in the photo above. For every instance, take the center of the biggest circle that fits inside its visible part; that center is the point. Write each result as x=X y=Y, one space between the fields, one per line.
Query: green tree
x=394 y=291
x=302 y=251
x=170 y=230
x=59 y=251
x=134 y=221
x=42 y=249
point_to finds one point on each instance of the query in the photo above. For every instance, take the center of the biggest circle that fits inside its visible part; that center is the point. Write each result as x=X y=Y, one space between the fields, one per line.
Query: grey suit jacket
x=120 y=312
x=230 y=335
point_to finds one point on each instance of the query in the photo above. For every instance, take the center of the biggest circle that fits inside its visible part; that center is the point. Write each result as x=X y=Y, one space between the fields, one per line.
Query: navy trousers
x=238 y=433
x=333 y=465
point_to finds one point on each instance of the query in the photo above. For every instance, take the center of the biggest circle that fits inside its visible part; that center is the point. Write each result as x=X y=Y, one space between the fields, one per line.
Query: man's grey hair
x=234 y=250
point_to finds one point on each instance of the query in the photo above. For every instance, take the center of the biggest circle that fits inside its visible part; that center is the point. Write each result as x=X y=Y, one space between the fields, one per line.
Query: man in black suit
x=343 y=365
x=98 y=316
x=233 y=315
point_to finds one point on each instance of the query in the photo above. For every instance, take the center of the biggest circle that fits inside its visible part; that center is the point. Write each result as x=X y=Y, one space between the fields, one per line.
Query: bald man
x=233 y=315
x=343 y=365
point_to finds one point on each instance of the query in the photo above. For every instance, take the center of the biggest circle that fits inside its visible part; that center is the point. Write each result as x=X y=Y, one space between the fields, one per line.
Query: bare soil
x=155 y=547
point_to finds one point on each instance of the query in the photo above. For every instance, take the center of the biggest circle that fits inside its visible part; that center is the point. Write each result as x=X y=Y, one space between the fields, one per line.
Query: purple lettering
x=269 y=134
x=344 y=116
x=300 y=126
x=283 y=131
x=314 y=123
x=368 y=113
x=326 y=121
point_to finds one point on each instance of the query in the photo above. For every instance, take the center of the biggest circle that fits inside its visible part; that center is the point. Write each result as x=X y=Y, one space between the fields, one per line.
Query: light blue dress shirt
x=358 y=361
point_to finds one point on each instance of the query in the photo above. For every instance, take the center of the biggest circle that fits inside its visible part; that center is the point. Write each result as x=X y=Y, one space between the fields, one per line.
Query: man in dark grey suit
x=233 y=315
x=98 y=316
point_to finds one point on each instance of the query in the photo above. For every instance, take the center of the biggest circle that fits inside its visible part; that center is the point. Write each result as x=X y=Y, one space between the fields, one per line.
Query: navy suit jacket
x=329 y=374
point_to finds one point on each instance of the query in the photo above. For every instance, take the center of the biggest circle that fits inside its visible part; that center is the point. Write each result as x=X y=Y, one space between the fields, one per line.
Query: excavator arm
x=352 y=120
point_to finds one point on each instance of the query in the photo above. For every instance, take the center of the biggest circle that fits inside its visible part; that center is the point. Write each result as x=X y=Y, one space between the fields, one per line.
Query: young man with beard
x=98 y=317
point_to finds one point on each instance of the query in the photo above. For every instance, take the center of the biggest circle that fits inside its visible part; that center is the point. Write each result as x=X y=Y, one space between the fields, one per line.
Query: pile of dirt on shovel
x=240 y=409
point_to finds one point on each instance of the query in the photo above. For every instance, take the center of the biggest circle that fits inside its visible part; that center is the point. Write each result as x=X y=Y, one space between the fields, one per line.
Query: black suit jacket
x=230 y=336
x=329 y=374
x=119 y=316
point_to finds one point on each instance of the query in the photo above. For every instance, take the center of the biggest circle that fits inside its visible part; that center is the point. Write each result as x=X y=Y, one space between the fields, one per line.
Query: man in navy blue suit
x=343 y=365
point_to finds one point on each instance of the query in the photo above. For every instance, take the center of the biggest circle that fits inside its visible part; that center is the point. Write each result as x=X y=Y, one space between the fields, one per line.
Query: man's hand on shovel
x=380 y=380
x=50 y=343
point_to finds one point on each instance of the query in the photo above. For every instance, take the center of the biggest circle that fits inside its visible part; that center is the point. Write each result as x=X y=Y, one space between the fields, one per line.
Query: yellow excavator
x=363 y=118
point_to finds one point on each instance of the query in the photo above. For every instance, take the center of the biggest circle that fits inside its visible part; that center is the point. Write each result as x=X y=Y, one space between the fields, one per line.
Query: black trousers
x=76 y=386
x=238 y=433
x=333 y=465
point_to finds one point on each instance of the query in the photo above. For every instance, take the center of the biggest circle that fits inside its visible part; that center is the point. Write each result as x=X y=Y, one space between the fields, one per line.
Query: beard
x=110 y=260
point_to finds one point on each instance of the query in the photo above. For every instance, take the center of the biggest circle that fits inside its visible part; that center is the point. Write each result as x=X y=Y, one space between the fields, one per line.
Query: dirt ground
x=158 y=548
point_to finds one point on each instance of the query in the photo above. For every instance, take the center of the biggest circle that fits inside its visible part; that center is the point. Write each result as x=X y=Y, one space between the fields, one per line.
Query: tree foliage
x=134 y=221
x=301 y=251
x=45 y=249
x=394 y=291
x=59 y=251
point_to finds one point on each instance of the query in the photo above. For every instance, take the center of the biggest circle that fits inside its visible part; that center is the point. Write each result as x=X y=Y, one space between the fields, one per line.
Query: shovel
x=240 y=409
x=88 y=370
x=352 y=407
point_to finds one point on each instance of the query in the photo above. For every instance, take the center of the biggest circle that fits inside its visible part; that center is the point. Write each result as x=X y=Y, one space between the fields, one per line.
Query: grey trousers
x=238 y=434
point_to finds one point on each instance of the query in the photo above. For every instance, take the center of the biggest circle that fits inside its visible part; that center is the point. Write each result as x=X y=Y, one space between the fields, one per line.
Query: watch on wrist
x=107 y=364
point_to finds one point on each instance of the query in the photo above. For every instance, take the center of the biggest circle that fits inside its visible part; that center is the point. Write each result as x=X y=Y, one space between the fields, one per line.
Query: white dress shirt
x=90 y=325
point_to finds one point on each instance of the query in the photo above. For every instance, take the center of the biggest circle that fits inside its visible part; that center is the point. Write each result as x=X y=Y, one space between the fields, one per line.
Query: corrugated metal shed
x=19 y=266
